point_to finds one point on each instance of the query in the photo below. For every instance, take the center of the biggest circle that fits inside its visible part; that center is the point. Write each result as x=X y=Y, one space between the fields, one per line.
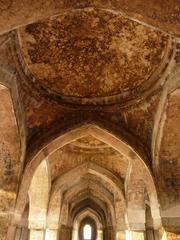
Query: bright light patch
x=164 y=236
x=35 y=234
x=51 y=234
x=128 y=235
x=87 y=232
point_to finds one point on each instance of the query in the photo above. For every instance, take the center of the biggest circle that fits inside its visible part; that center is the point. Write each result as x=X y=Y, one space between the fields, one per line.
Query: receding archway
x=135 y=159
x=87 y=229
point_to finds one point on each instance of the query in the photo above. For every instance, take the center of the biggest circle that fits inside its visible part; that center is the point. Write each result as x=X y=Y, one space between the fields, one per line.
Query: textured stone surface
x=92 y=53
x=75 y=154
x=170 y=153
x=9 y=146
x=156 y=12
x=89 y=142
x=96 y=150
x=9 y=160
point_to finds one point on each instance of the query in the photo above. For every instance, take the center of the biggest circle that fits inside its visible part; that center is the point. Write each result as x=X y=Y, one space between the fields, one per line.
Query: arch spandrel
x=166 y=156
x=10 y=164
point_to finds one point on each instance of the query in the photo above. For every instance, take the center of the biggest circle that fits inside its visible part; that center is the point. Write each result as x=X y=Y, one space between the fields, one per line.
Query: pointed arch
x=38 y=197
x=101 y=133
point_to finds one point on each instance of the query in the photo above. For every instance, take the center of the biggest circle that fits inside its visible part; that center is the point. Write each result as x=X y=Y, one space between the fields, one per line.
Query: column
x=158 y=235
x=25 y=234
x=10 y=234
x=138 y=235
x=120 y=235
x=22 y=233
x=36 y=234
x=51 y=234
x=136 y=219
x=65 y=233
x=149 y=234
x=109 y=233
x=99 y=234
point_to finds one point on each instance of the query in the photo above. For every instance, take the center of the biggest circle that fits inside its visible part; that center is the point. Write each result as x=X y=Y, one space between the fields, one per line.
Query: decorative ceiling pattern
x=93 y=53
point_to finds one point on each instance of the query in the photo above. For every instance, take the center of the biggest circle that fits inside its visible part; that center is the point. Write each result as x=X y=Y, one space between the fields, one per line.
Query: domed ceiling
x=92 y=53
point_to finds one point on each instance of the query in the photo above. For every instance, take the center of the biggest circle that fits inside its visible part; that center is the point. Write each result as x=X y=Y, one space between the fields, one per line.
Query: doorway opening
x=87 y=232
x=88 y=229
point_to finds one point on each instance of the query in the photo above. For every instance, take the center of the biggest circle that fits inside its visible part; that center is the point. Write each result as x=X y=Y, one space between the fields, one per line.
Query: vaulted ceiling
x=114 y=65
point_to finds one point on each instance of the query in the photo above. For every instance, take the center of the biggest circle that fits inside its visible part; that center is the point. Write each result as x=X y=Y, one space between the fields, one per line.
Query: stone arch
x=91 y=213
x=165 y=150
x=96 y=131
x=68 y=179
x=144 y=181
x=90 y=201
x=94 y=192
x=86 y=195
x=93 y=169
x=38 y=200
x=88 y=220
x=85 y=201
x=171 y=86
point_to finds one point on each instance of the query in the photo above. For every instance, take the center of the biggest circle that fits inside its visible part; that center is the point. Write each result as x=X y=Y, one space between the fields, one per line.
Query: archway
x=135 y=163
x=87 y=229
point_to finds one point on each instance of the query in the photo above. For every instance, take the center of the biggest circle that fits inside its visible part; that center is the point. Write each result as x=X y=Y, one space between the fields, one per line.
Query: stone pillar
x=120 y=235
x=157 y=235
x=140 y=235
x=18 y=233
x=5 y=228
x=51 y=234
x=25 y=234
x=149 y=234
x=10 y=233
x=75 y=234
x=22 y=233
x=157 y=223
x=36 y=234
x=99 y=234
x=152 y=234
x=136 y=218
x=109 y=233
x=65 y=233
